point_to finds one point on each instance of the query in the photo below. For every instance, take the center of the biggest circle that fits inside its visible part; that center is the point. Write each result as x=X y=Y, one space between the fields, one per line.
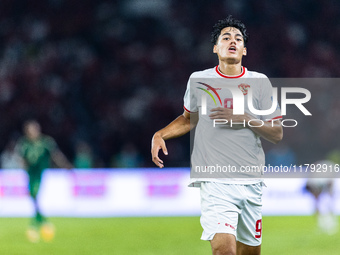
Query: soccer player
x=231 y=214
x=37 y=150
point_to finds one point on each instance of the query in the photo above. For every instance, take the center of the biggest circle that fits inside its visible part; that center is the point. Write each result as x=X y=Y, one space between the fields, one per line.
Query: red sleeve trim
x=187 y=109
x=276 y=118
x=230 y=77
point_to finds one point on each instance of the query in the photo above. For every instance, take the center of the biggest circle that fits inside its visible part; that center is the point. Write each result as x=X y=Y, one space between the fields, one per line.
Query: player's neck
x=230 y=69
x=34 y=138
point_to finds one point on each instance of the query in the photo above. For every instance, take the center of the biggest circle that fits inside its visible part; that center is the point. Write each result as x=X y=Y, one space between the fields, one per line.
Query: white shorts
x=234 y=209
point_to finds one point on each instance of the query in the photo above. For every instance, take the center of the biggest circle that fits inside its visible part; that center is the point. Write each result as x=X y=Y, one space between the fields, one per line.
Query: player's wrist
x=157 y=135
x=247 y=118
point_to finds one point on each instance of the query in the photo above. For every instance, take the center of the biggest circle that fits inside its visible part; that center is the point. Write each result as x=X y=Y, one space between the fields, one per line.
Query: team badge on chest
x=244 y=88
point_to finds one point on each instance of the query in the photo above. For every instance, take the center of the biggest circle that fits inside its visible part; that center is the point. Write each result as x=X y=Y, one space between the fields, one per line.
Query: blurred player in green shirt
x=37 y=151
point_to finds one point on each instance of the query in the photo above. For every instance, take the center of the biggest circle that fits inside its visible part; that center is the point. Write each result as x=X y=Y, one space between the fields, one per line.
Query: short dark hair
x=228 y=22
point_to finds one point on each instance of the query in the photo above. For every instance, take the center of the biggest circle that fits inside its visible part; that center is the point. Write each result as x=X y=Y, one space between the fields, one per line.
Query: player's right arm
x=180 y=126
x=20 y=150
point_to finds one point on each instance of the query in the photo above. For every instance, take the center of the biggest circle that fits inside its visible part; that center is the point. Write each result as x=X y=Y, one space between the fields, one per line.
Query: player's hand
x=226 y=114
x=158 y=143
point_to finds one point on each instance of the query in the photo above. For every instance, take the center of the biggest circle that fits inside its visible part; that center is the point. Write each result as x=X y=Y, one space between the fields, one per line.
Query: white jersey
x=234 y=150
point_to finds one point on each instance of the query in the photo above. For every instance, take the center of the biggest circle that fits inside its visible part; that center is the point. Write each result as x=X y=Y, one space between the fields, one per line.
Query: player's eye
x=226 y=38
x=239 y=40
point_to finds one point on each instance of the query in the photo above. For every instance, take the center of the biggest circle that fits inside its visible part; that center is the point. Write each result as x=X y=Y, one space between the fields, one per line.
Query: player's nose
x=233 y=41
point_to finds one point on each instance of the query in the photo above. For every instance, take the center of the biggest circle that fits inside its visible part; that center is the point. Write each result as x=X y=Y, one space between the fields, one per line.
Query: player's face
x=32 y=130
x=230 y=46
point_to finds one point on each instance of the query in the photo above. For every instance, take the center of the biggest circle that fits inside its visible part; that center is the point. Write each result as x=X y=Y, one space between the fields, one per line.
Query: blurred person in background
x=84 y=157
x=37 y=151
x=10 y=158
x=128 y=157
x=322 y=190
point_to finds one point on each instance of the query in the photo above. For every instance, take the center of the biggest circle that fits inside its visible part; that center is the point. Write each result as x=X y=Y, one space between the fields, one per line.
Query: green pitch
x=164 y=236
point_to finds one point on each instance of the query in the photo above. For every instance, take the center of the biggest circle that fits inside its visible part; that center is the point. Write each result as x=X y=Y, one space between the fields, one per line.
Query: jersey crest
x=244 y=88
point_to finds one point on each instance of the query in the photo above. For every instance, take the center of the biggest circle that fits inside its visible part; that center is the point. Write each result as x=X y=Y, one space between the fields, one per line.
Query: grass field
x=165 y=236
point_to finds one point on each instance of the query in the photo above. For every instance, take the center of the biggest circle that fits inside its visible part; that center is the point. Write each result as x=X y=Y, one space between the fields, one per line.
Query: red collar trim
x=231 y=77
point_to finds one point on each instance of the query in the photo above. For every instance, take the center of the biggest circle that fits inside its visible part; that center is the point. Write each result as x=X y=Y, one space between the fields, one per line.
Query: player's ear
x=244 y=51
x=215 y=48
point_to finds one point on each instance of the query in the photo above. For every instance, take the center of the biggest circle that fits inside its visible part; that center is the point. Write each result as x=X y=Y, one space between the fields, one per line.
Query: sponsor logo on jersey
x=213 y=90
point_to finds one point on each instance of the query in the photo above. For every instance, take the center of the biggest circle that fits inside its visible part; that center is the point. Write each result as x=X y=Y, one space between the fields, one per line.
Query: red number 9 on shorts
x=258 y=228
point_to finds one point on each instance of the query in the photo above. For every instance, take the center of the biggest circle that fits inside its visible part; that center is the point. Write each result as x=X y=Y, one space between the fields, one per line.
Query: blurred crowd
x=102 y=76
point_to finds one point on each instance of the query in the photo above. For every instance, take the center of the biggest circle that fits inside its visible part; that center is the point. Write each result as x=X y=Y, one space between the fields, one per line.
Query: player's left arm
x=270 y=130
x=56 y=155
x=60 y=159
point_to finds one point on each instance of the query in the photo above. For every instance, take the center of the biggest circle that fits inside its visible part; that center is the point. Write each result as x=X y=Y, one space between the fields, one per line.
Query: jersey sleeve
x=266 y=101
x=190 y=99
x=20 y=148
x=51 y=144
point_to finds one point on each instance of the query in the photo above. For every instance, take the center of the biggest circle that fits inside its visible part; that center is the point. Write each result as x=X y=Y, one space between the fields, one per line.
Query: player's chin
x=231 y=59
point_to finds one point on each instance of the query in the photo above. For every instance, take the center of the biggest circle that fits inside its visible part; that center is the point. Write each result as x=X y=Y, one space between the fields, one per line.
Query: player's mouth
x=232 y=49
